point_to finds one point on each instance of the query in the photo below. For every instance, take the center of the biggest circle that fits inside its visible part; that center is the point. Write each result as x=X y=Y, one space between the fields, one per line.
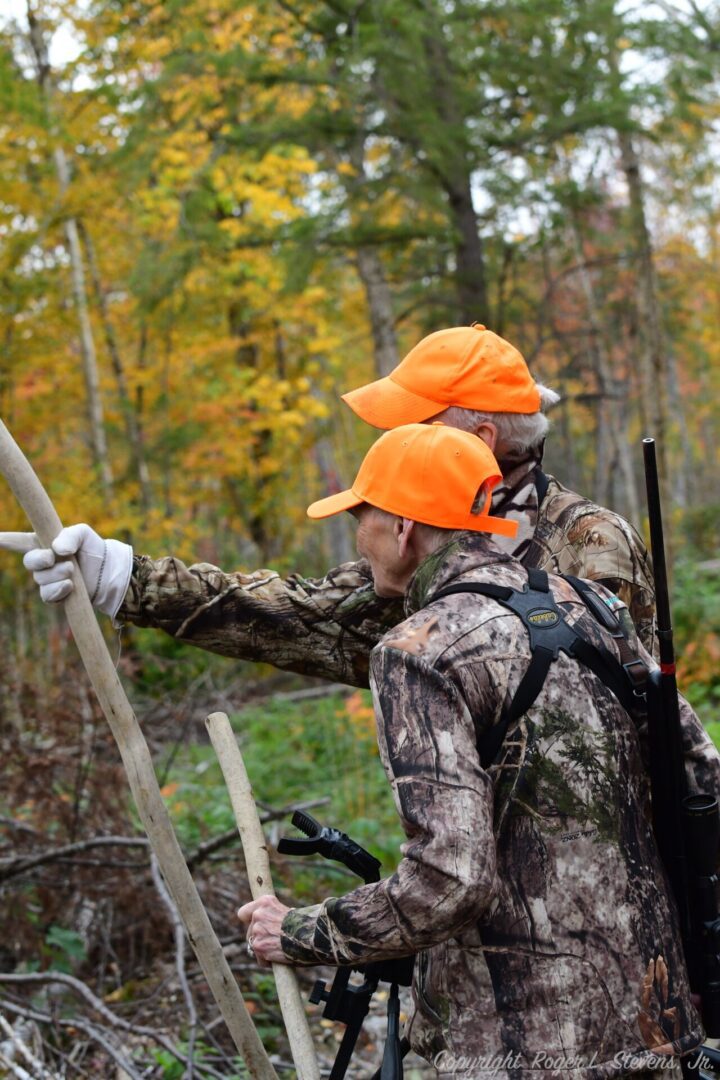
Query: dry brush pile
x=96 y=977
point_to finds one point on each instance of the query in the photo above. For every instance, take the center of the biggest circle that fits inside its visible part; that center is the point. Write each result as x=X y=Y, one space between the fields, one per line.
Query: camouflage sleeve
x=613 y=554
x=325 y=627
x=447 y=873
x=702 y=760
x=575 y=536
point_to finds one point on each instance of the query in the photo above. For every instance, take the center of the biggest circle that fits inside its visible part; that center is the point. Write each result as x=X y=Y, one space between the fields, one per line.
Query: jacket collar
x=464 y=551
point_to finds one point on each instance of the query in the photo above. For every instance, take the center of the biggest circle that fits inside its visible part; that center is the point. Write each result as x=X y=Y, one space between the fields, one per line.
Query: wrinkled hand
x=263 y=920
x=105 y=565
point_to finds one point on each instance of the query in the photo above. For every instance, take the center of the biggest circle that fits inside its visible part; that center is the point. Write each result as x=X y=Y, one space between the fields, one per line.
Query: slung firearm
x=687 y=827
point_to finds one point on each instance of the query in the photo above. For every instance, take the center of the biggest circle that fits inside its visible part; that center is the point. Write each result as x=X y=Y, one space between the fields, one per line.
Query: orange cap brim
x=386 y=404
x=334 y=504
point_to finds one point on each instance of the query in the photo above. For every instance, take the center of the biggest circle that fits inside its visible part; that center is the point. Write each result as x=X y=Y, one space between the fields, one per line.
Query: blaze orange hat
x=428 y=473
x=468 y=366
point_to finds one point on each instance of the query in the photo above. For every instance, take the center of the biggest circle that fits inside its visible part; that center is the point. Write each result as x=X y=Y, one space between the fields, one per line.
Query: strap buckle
x=637 y=672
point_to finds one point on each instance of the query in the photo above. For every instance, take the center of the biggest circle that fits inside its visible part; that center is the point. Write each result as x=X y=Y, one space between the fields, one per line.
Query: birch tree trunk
x=133 y=428
x=87 y=341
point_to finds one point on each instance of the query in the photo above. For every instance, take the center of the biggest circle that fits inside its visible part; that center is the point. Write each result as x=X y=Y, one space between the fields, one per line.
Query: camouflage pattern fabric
x=327 y=627
x=574 y=536
x=533 y=890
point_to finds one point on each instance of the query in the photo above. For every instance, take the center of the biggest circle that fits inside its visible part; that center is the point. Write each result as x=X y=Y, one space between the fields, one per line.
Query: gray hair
x=516 y=431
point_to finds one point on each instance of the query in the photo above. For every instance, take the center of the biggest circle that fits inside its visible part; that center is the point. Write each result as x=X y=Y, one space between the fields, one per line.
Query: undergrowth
x=696 y=619
x=295 y=752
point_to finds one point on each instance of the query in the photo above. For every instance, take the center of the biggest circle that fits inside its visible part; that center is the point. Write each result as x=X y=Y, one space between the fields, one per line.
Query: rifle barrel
x=657 y=546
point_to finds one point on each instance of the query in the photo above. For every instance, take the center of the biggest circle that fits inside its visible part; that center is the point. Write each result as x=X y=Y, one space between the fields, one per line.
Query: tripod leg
x=392 y=1068
x=404 y=1051
x=347 y=1045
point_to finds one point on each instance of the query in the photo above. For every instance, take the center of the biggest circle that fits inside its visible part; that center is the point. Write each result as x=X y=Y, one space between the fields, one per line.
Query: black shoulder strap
x=634 y=667
x=542 y=483
x=550 y=634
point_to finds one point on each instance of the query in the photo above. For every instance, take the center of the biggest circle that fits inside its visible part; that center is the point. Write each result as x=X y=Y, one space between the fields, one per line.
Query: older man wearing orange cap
x=467 y=377
x=530 y=884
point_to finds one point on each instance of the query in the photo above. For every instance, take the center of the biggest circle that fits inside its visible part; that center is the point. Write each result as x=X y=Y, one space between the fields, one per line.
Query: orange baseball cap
x=468 y=366
x=428 y=473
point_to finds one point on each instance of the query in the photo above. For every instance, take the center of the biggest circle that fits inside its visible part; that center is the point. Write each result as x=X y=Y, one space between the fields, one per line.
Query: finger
x=246 y=912
x=58 y=590
x=18 y=541
x=269 y=953
x=70 y=540
x=39 y=559
x=60 y=571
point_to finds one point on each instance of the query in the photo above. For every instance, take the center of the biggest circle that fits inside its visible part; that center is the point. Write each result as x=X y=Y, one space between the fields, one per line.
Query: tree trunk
x=382 y=318
x=342 y=547
x=372 y=276
x=470 y=275
x=455 y=175
x=87 y=342
x=133 y=428
x=653 y=361
x=612 y=446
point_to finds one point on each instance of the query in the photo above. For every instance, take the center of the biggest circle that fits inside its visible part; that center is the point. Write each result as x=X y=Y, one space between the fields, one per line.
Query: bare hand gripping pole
x=258 y=870
x=138 y=764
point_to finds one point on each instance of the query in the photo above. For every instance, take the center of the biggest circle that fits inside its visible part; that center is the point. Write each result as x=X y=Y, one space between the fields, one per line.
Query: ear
x=488 y=433
x=403 y=529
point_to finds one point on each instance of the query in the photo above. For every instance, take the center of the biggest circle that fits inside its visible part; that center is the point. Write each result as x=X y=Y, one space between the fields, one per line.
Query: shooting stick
x=258 y=870
x=31 y=495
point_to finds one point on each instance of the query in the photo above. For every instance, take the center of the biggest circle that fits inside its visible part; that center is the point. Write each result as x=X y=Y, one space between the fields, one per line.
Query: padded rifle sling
x=550 y=634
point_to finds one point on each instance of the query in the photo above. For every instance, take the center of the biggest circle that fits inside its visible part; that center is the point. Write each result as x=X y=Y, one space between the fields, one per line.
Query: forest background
x=217 y=216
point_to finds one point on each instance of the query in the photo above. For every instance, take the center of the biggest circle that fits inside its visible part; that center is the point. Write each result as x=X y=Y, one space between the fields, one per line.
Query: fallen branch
x=11 y=867
x=41 y=978
x=81 y=1024
x=209 y=847
x=139 y=767
x=15 y=865
x=18 y=1043
x=258 y=871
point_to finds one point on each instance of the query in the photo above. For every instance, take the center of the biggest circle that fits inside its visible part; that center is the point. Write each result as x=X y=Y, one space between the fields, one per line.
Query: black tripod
x=345 y=1001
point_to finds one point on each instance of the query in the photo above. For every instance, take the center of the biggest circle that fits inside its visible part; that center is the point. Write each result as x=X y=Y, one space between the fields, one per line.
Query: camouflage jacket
x=327 y=627
x=532 y=890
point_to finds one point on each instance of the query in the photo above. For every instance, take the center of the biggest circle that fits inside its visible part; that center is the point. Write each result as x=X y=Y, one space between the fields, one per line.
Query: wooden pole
x=258 y=869
x=139 y=767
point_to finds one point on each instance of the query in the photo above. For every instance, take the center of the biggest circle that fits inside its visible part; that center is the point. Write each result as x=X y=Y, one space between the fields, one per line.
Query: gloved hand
x=106 y=565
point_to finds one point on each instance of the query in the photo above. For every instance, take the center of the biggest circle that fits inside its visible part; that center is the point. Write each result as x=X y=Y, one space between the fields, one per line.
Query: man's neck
x=463 y=551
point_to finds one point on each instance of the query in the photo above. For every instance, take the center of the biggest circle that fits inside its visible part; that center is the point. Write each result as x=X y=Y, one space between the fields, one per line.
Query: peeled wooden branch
x=258 y=870
x=139 y=767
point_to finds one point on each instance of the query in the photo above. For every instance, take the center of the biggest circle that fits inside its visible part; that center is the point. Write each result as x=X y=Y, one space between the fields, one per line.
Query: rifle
x=344 y=1001
x=687 y=827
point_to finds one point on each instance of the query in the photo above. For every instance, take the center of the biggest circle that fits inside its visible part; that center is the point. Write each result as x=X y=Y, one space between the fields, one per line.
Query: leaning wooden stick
x=258 y=870
x=139 y=767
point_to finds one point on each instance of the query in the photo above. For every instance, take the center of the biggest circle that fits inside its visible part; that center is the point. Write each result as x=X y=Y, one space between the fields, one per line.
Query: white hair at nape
x=436 y=535
x=516 y=431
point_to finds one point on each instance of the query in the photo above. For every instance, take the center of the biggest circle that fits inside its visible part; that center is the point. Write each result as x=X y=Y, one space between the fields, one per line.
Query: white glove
x=106 y=565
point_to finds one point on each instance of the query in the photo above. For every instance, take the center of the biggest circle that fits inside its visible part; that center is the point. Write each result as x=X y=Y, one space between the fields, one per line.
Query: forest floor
x=94 y=981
